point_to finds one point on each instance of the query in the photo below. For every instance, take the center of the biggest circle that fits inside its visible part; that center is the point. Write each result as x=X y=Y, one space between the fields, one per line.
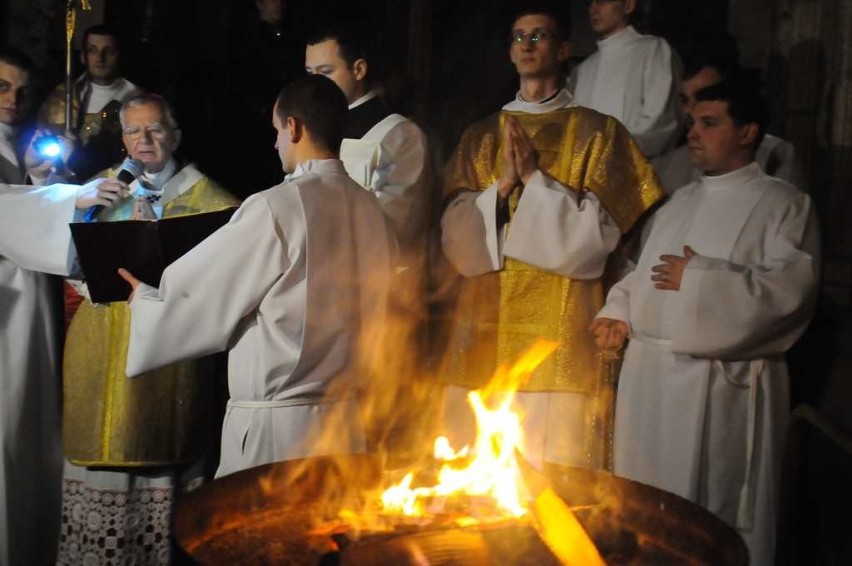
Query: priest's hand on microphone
x=101 y=192
x=134 y=283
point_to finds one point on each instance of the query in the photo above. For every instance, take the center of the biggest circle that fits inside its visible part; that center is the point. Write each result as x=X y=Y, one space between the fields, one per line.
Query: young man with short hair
x=382 y=151
x=385 y=153
x=289 y=287
x=538 y=196
x=96 y=97
x=31 y=459
x=726 y=283
x=776 y=156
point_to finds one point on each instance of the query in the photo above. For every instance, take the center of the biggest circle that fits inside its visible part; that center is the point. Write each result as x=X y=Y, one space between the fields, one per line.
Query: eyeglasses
x=156 y=131
x=535 y=36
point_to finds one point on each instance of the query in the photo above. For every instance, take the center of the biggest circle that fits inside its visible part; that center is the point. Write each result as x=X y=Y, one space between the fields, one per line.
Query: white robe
x=34 y=237
x=279 y=288
x=775 y=156
x=703 y=396
x=554 y=230
x=634 y=78
x=97 y=96
x=392 y=162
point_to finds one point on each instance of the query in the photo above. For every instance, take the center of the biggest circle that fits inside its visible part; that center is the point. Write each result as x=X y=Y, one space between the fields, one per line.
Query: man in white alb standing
x=34 y=241
x=632 y=77
x=288 y=287
x=726 y=283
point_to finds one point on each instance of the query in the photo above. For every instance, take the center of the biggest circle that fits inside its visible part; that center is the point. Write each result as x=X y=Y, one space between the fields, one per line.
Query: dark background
x=445 y=62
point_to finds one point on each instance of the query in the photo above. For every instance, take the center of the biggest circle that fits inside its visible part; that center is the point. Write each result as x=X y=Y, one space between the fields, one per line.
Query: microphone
x=131 y=169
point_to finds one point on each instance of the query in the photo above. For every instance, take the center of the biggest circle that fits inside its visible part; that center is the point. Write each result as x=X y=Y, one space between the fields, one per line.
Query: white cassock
x=34 y=240
x=280 y=287
x=634 y=78
x=703 y=397
x=775 y=156
x=392 y=162
x=571 y=238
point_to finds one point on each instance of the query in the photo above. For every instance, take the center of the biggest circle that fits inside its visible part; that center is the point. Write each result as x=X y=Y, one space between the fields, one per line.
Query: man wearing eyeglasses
x=538 y=196
x=632 y=77
x=132 y=445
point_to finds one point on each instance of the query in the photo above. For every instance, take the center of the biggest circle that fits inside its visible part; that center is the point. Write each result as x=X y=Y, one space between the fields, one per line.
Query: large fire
x=490 y=468
x=494 y=470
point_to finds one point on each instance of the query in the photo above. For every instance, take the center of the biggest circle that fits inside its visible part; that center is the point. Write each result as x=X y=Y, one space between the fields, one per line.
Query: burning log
x=556 y=524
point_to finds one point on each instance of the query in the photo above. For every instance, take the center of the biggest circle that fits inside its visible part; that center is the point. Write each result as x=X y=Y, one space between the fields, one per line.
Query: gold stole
x=500 y=314
x=157 y=418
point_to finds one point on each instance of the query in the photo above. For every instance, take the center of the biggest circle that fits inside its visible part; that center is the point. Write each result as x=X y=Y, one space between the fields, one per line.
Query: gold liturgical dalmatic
x=153 y=419
x=500 y=314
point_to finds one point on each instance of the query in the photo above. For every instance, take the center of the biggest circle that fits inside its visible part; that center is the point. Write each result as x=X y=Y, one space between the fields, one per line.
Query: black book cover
x=143 y=247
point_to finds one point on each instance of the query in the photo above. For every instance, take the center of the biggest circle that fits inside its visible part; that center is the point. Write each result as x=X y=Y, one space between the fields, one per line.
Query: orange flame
x=493 y=471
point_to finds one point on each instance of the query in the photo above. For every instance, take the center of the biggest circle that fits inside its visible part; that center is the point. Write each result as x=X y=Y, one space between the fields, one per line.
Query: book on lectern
x=144 y=247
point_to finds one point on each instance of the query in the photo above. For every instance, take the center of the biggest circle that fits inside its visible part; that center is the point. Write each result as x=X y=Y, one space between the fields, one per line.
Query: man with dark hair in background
x=31 y=456
x=711 y=63
x=538 y=196
x=725 y=284
x=386 y=154
x=96 y=97
x=289 y=288
x=382 y=151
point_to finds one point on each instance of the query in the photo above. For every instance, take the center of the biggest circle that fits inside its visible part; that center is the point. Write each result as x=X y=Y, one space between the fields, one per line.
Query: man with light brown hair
x=538 y=196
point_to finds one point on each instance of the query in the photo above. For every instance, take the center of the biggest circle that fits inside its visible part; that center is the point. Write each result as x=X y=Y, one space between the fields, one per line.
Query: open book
x=143 y=247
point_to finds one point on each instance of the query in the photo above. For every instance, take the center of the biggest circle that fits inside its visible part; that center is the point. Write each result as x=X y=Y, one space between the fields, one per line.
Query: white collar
x=733 y=179
x=563 y=99
x=157 y=181
x=371 y=94
x=316 y=166
x=618 y=39
x=115 y=85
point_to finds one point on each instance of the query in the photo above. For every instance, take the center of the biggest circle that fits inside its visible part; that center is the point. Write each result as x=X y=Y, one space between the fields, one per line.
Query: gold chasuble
x=499 y=315
x=154 y=419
